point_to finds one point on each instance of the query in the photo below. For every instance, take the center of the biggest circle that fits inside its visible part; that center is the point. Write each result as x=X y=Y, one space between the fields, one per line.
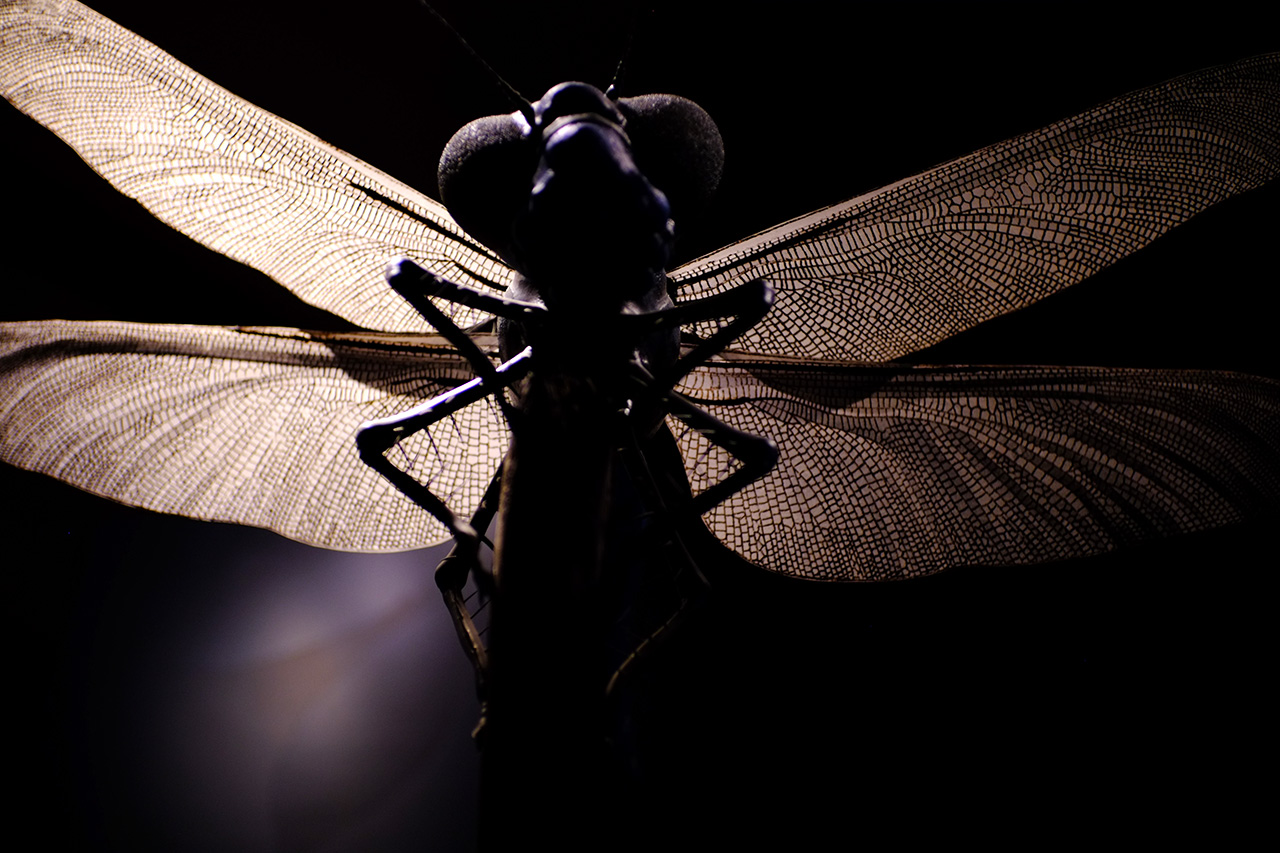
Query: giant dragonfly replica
x=919 y=469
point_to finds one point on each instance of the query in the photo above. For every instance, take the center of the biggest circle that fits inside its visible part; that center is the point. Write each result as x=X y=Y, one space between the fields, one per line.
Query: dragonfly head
x=592 y=183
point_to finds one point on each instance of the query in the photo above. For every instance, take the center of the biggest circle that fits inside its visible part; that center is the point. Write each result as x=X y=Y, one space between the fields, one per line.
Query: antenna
x=616 y=84
x=520 y=101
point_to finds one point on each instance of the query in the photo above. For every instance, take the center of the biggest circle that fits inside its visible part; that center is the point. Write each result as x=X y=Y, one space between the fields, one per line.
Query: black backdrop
x=180 y=685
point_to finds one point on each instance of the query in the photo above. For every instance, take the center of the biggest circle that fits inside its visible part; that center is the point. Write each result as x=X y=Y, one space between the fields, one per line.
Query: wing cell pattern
x=890 y=472
x=911 y=264
x=252 y=426
x=886 y=472
x=230 y=175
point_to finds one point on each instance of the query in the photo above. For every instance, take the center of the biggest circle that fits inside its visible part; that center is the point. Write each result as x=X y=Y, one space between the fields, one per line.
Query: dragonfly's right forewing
x=244 y=425
x=234 y=177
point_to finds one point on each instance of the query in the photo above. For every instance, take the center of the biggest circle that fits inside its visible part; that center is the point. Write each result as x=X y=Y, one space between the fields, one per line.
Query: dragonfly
x=1148 y=348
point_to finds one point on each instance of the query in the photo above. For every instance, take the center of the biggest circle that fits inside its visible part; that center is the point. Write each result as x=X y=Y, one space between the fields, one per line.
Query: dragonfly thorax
x=591 y=235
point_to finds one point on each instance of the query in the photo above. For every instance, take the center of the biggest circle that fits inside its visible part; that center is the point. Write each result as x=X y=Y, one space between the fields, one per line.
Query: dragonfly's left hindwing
x=891 y=472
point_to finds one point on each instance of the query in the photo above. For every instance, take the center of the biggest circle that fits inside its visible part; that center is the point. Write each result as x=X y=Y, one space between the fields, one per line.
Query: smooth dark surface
x=1123 y=692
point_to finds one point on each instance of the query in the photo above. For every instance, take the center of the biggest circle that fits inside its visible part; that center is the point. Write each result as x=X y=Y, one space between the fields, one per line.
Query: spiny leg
x=375 y=438
x=757 y=454
x=418 y=286
x=746 y=304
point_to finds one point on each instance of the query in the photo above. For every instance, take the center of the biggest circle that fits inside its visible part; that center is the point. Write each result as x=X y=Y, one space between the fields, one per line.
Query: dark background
x=181 y=685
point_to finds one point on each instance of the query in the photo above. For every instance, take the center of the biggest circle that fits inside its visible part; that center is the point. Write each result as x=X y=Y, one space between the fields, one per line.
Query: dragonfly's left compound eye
x=678 y=148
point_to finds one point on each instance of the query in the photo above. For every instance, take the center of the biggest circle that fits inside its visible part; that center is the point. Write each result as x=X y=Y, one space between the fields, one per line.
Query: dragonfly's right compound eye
x=484 y=176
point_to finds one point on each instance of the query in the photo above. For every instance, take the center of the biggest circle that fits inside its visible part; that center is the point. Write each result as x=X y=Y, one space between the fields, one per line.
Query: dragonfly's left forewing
x=251 y=426
x=229 y=175
x=911 y=264
x=891 y=472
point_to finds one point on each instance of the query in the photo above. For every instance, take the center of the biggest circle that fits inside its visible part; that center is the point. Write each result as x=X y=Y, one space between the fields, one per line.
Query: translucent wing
x=228 y=174
x=253 y=426
x=893 y=472
x=913 y=263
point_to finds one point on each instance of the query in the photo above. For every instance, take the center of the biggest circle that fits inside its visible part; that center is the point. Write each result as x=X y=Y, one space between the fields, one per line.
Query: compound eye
x=678 y=148
x=484 y=179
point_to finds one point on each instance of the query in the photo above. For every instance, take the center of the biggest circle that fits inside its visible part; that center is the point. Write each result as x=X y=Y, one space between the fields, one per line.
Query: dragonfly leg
x=746 y=304
x=418 y=286
x=757 y=454
x=375 y=438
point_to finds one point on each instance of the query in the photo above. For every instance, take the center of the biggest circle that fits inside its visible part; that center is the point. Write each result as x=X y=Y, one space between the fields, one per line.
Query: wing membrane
x=913 y=263
x=225 y=173
x=253 y=426
x=891 y=472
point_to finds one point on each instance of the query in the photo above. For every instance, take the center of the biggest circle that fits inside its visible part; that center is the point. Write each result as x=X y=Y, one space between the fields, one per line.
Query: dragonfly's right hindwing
x=243 y=425
x=229 y=175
